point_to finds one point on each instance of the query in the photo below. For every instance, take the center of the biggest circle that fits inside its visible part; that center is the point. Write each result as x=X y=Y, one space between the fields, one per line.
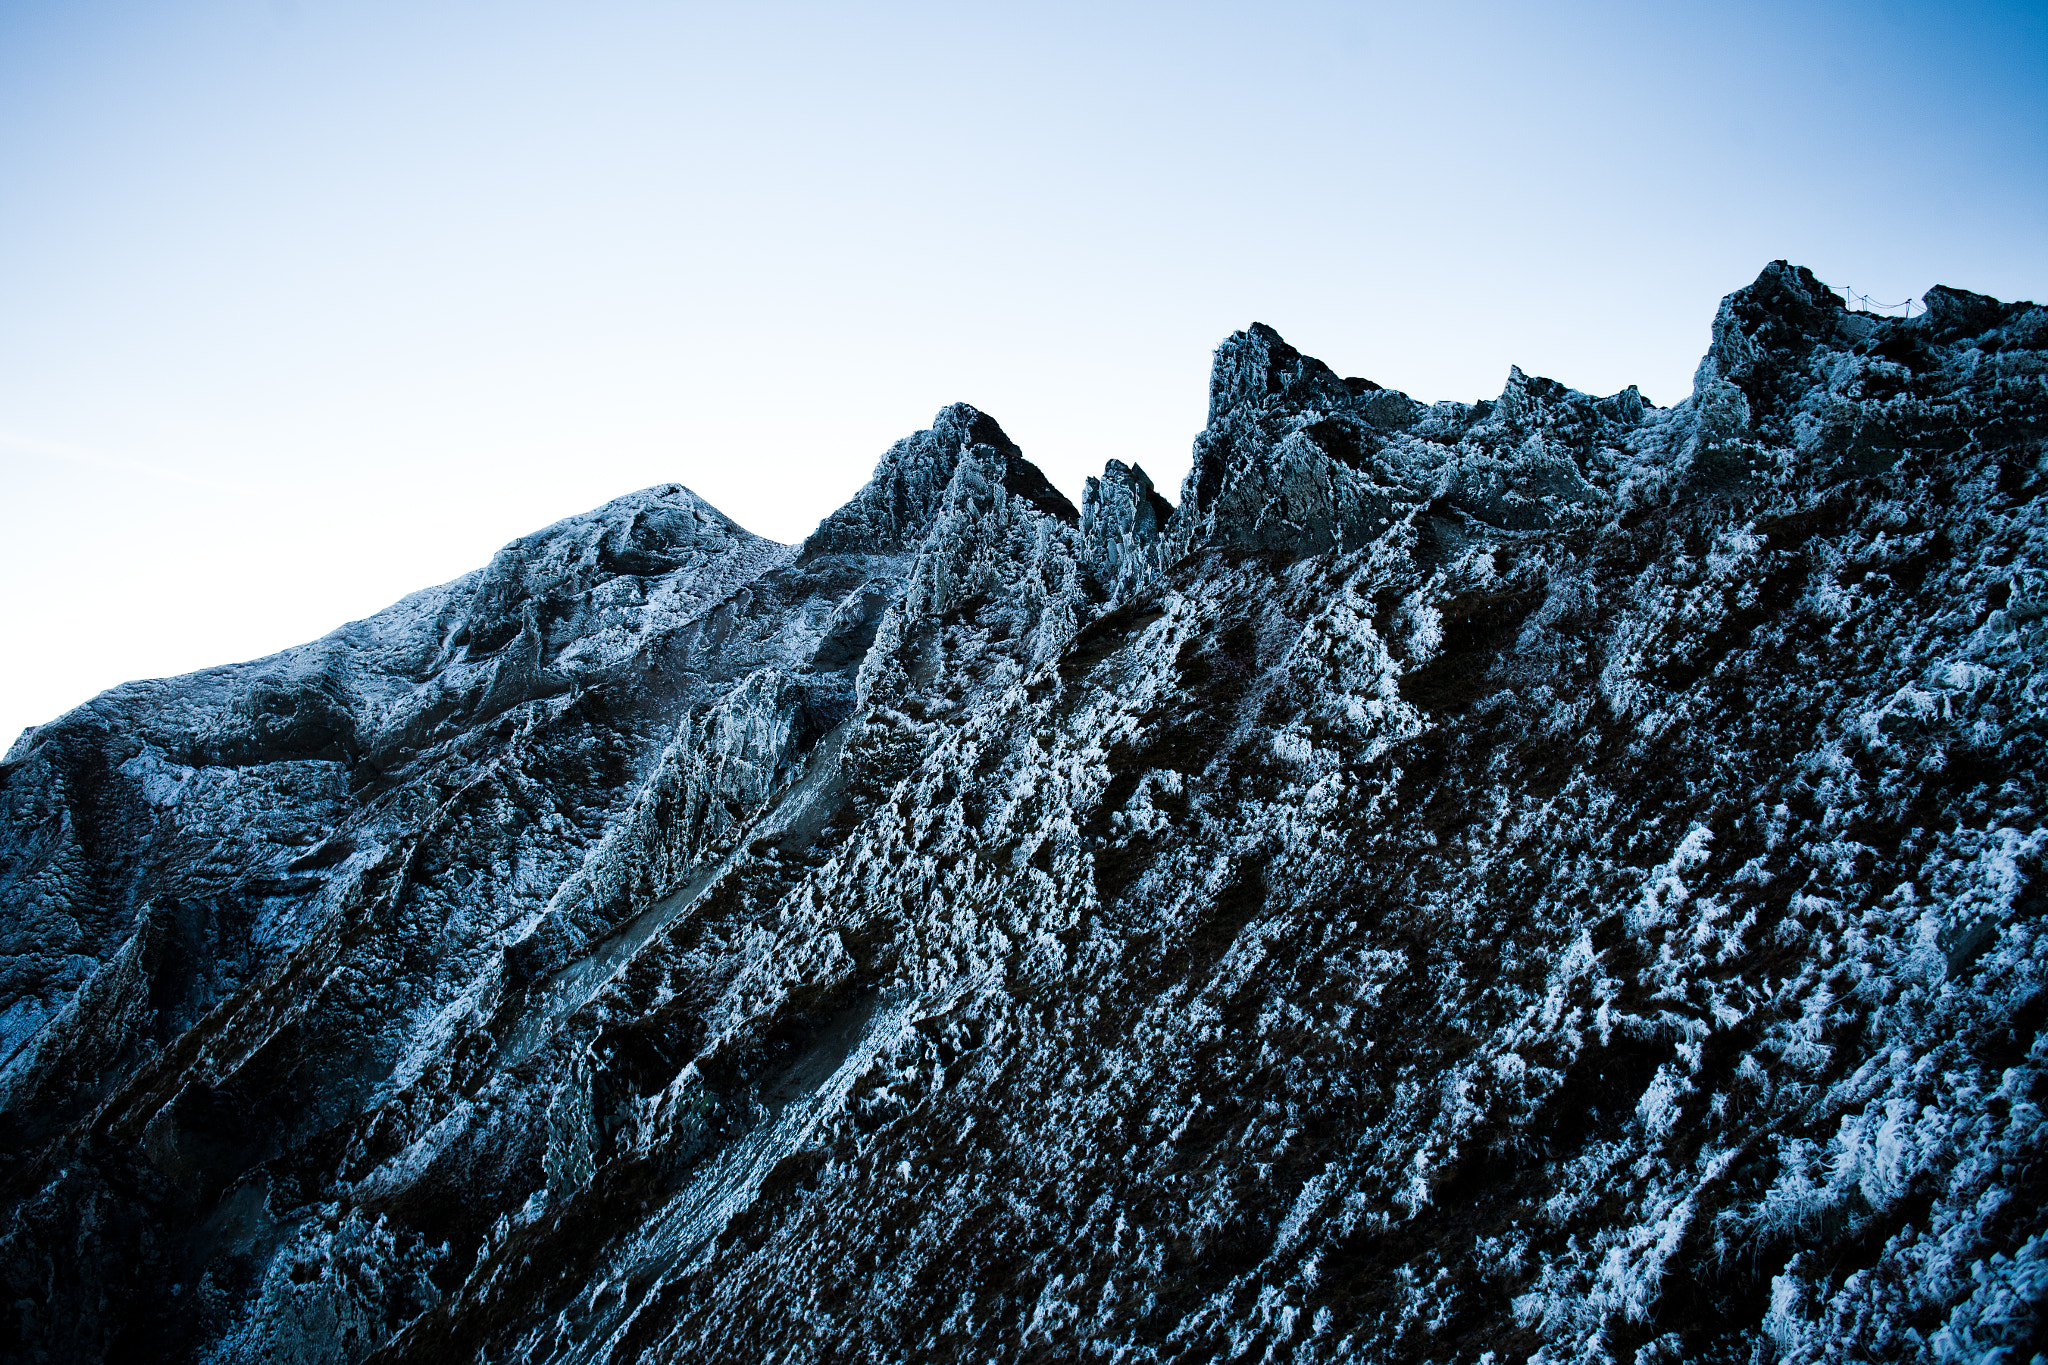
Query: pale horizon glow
x=306 y=306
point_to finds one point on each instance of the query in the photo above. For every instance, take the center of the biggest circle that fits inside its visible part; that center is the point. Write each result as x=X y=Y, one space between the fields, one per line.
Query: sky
x=307 y=304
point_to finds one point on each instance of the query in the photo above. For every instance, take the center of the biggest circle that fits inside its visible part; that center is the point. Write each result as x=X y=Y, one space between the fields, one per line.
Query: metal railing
x=1863 y=303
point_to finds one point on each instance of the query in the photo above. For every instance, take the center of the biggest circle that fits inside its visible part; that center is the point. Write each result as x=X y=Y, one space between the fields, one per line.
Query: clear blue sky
x=306 y=304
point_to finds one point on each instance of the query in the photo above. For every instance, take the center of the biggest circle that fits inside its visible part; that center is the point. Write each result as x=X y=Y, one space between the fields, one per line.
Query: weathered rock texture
x=1555 y=877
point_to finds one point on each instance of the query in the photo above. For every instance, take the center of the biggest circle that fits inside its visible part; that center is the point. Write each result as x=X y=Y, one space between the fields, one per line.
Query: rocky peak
x=1525 y=395
x=1953 y=314
x=1256 y=382
x=1122 y=517
x=894 y=509
x=1257 y=367
x=1765 y=332
x=1123 y=502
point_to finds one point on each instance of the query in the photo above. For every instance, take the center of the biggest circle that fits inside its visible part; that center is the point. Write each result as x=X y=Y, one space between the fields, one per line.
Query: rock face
x=1553 y=878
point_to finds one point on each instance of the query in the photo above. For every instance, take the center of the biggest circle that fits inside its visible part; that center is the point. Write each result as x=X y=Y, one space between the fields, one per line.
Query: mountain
x=1550 y=879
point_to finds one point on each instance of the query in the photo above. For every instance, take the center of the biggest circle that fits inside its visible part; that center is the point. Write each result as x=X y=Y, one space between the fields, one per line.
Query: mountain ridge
x=1550 y=876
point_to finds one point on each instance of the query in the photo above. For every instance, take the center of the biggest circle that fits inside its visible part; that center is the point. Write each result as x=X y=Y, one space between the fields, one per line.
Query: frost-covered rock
x=1122 y=521
x=1550 y=878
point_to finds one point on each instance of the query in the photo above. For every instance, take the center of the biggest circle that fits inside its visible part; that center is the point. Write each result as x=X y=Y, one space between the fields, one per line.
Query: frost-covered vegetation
x=1552 y=879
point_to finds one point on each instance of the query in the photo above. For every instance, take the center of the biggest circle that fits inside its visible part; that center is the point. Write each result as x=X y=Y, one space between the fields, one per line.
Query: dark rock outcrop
x=1549 y=878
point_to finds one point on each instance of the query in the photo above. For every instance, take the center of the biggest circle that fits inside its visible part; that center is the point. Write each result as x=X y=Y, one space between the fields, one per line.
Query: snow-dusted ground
x=1549 y=879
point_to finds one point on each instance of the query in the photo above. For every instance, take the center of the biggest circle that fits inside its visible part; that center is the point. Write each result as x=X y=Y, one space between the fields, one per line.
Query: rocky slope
x=1551 y=878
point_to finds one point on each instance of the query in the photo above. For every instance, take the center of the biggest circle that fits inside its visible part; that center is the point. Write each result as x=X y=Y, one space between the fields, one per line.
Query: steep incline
x=1553 y=877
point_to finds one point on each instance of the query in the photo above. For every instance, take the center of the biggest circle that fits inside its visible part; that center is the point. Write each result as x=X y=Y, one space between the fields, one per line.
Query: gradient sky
x=307 y=304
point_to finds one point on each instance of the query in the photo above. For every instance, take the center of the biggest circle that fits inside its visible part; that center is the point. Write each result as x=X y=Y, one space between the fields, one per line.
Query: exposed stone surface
x=1553 y=877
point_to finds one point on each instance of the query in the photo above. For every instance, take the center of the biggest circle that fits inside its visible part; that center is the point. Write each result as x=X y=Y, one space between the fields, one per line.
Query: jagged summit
x=894 y=510
x=1297 y=460
x=1550 y=878
x=1256 y=366
x=1123 y=519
